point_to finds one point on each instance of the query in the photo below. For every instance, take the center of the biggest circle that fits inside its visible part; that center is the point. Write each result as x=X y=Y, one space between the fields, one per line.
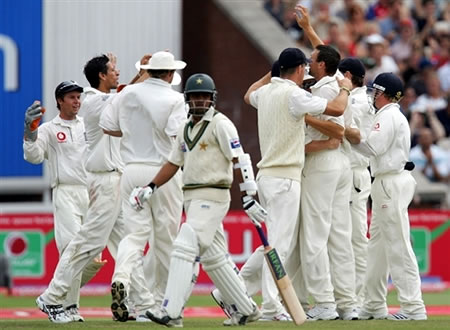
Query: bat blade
x=284 y=285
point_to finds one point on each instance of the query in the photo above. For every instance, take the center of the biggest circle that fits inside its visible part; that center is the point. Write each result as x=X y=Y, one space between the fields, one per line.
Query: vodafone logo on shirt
x=61 y=137
x=376 y=127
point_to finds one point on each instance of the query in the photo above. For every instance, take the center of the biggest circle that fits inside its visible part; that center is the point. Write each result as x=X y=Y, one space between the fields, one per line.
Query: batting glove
x=139 y=195
x=254 y=210
x=34 y=112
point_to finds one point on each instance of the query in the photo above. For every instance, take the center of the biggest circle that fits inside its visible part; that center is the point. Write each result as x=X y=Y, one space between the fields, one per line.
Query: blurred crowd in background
x=408 y=37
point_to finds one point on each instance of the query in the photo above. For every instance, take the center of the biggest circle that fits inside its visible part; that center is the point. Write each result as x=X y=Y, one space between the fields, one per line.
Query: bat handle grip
x=262 y=236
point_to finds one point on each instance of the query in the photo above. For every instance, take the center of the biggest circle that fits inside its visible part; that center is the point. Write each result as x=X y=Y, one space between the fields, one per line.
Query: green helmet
x=200 y=83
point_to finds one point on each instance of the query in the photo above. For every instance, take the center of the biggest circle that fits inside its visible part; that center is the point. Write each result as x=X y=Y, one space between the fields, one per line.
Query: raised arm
x=257 y=84
x=302 y=18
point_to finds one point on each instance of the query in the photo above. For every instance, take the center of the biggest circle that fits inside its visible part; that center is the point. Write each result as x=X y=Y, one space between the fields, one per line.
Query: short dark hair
x=287 y=71
x=330 y=57
x=95 y=66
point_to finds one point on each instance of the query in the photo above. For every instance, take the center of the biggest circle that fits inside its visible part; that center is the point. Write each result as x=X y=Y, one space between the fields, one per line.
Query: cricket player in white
x=206 y=146
x=390 y=251
x=363 y=117
x=62 y=142
x=325 y=230
x=148 y=116
x=326 y=234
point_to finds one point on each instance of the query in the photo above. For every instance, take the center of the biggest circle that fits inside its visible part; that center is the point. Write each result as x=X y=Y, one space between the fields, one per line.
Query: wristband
x=346 y=89
x=153 y=186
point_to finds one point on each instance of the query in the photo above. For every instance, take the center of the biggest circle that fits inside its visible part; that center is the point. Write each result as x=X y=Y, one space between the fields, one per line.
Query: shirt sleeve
x=302 y=102
x=35 y=152
x=382 y=134
x=176 y=156
x=109 y=118
x=177 y=116
x=227 y=135
x=254 y=96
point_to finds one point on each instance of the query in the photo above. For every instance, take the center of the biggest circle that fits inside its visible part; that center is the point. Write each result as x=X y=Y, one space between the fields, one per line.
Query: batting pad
x=221 y=272
x=182 y=271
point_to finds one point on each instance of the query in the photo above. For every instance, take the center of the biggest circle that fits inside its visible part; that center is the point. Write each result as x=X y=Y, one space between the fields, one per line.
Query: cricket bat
x=281 y=278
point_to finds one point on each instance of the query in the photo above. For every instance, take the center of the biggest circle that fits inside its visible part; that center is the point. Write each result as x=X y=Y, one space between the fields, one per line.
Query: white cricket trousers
x=281 y=198
x=390 y=250
x=326 y=230
x=70 y=204
x=101 y=223
x=159 y=221
x=360 y=192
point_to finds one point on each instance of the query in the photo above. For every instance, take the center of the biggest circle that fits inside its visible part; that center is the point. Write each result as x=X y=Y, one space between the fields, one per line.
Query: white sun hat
x=163 y=61
x=176 y=77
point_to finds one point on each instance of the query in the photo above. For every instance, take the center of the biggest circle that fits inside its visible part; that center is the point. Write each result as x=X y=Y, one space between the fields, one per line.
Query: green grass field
x=434 y=322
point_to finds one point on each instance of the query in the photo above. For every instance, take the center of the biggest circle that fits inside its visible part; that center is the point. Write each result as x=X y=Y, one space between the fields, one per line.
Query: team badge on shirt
x=183 y=147
x=376 y=127
x=235 y=143
x=61 y=136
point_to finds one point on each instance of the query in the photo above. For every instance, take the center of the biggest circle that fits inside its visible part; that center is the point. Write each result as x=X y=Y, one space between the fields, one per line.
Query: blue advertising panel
x=20 y=79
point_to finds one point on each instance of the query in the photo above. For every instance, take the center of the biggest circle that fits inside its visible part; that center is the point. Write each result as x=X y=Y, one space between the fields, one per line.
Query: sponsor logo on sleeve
x=235 y=143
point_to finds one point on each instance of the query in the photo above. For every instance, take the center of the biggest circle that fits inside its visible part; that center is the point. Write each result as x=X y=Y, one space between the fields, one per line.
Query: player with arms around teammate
x=206 y=146
x=62 y=142
x=390 y=251
x=281 y=107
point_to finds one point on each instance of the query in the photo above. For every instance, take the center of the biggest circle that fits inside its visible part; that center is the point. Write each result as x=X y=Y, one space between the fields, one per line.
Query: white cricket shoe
x=366 y=315
x=349 y=315
x=401 y=316
x=56 y=313
x=283 y=317
x=322 y=313
x=73 y=312
x=119 y=308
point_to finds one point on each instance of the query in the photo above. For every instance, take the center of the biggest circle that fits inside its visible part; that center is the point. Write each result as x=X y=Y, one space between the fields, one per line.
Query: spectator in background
x=338 y=40
x=417 y=71
x=344 y=12
x=401 y=48
x=443 y=115
x=434 y=98
x=428 y=119
x=444 y=76
x=277 y=9
x=376 y=46
x=429 y=158
x=406 y=102
x=356 y=26
x=378 y=10
x=390 y=25
x=425 y=13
